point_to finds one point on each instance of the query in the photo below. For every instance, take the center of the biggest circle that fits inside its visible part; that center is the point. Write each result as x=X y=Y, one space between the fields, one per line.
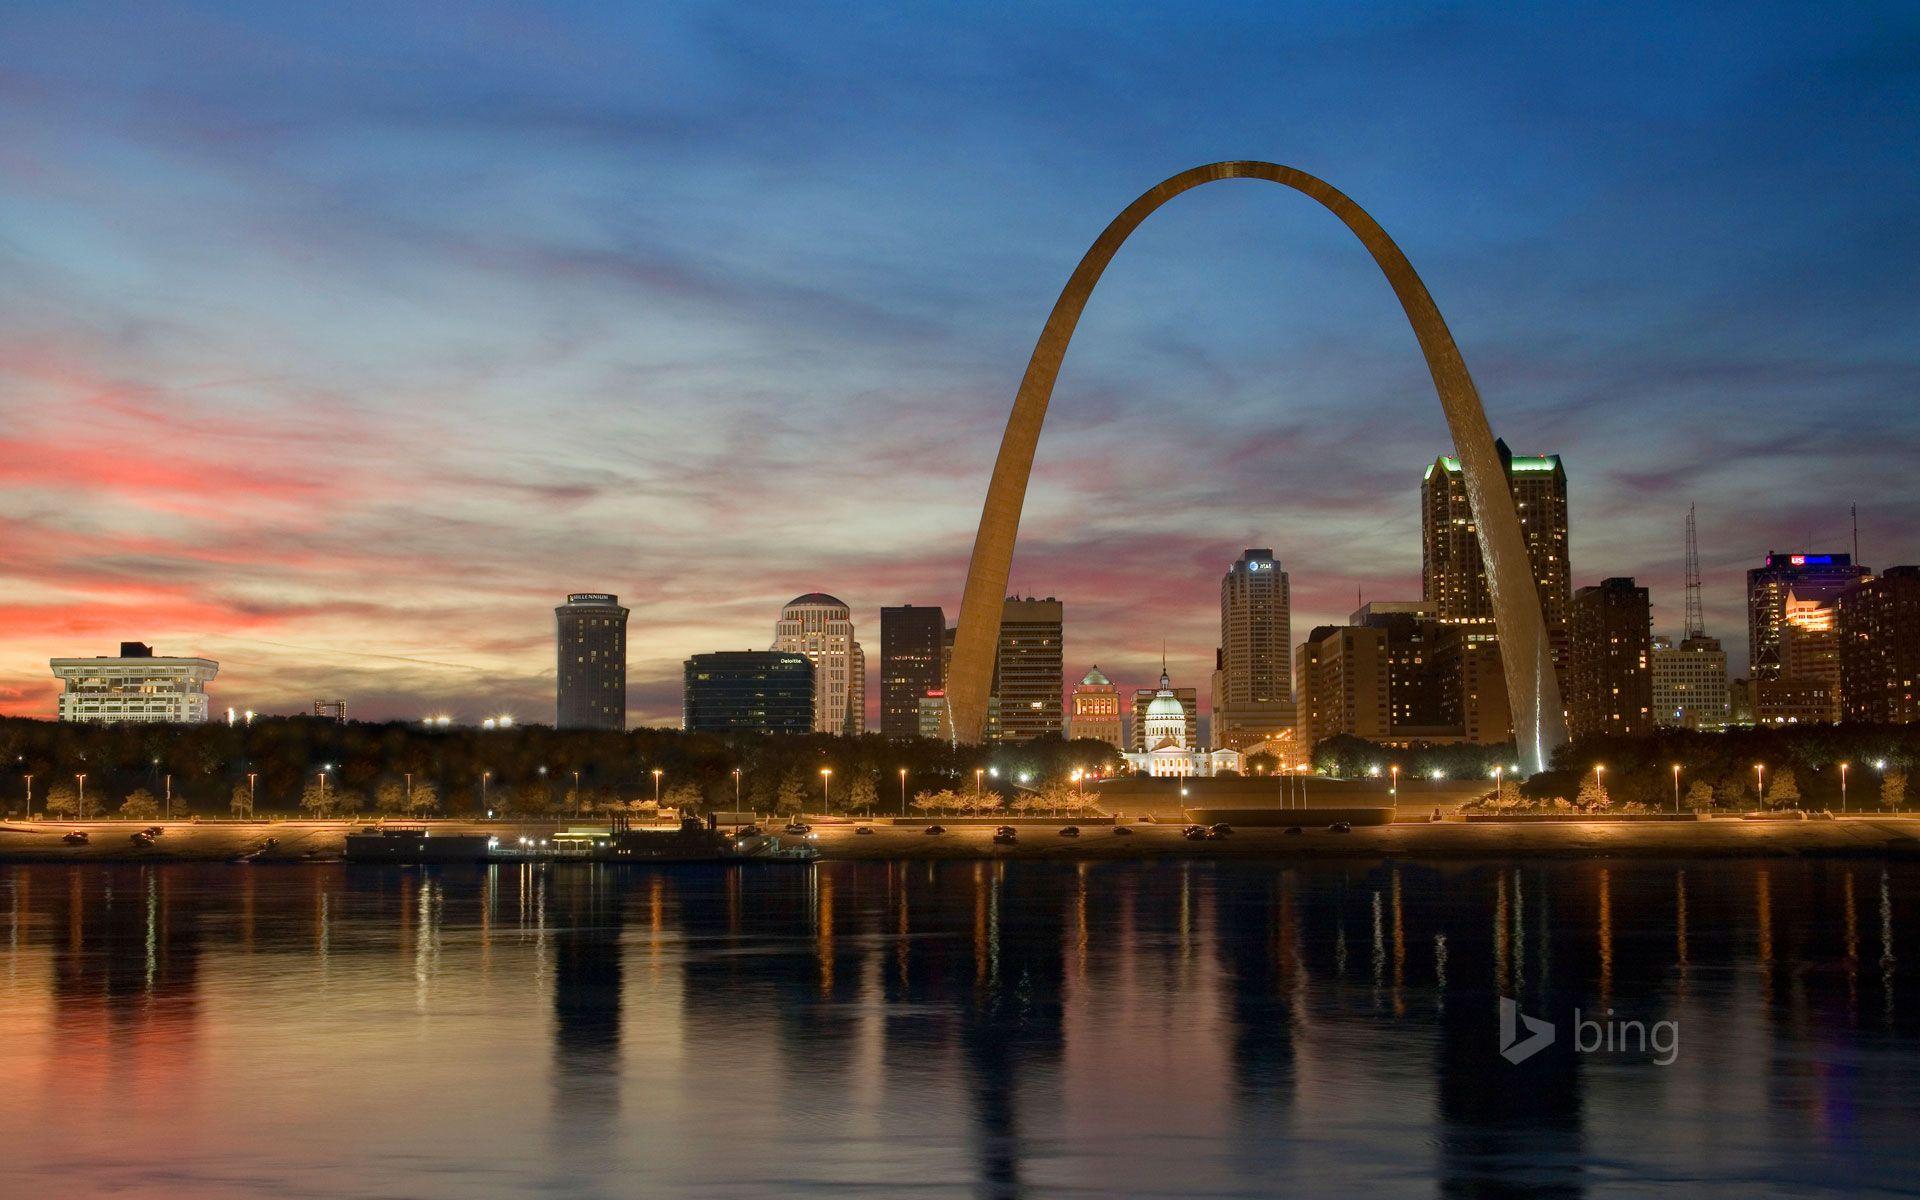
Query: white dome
x=1166 y=705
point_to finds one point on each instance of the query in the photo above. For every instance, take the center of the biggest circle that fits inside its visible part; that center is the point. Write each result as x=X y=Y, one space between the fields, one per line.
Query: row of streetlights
x=1759 y=780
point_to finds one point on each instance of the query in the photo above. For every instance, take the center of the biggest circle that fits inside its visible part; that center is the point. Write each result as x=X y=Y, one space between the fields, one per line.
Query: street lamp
x=169 y=796
x=80 y=783
x=251 y=776
x=656 y=787
x=826 y=788
x=323 y=787
x=1393 y=788
x=486 y=779
x=977 y=773
x=29 y=797
x=1760 y=783
x=736 y=788
x=1843 y=787
x=903 y=791
x=1676 y=789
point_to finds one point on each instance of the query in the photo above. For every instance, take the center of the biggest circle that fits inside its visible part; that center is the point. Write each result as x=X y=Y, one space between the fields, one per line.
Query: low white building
x=1168 y=753
x=135 y=686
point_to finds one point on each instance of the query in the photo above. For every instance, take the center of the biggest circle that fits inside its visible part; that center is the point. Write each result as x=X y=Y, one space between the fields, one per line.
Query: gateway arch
x=1531 y=687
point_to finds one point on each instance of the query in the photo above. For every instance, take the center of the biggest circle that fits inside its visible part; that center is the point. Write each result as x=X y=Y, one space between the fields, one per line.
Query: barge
x=619 y=842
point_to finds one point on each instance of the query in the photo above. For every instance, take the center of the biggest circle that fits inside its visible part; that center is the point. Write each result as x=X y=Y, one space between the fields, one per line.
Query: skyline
x=562 y=330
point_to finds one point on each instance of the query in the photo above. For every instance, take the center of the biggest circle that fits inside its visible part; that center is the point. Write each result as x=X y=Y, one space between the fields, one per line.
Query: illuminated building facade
x=1880 y=648
x=820 y=627
x=1610 y=673
x=134 y=686
x=591 y=680
x=1096 y=710
x=1690 y=684
x=1810 y=577
x=1809 y=659
x=1452 y=571
x=1164 y=738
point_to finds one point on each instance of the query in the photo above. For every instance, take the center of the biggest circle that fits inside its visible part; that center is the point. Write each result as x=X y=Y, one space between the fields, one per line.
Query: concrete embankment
x=298 y=841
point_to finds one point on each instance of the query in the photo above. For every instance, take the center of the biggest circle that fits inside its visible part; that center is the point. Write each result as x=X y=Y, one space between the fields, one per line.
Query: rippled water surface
x=957 y=1029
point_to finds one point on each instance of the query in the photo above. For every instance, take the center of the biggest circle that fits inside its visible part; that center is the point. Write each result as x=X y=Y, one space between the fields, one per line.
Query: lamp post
x=409 y=791
x=1599 y=783
x=977 y=773
x=1676 y=789
x=251 y=776
x=1760 y=783
x=903 y=791
x=656 y=787
x=1394 y=788
x=826 y=790
x=169 y=810
x=80 y=784
x=576 y=791
x=1843 y=787
x=29 y=797
x=486 y=804
x=1498 y=774
x=736 y=789
x=323 y=787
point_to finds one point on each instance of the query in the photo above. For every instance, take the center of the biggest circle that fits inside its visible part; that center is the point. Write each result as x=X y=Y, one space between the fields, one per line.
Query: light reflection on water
x=953 y=1029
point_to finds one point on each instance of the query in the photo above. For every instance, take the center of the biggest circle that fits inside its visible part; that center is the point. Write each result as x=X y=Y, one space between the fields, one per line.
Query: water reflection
x=994 y=1029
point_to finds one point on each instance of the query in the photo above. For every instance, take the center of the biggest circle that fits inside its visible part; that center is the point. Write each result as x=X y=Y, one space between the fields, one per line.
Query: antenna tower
x=1696 y=623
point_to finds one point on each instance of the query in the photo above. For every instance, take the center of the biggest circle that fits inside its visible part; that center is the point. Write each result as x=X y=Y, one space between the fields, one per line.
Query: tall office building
x=912 y=642
x=1028 y=672
x=1816 y=577
x=1610 y=675
x=1690 y=684
x=1096 y=710
x=1343 y=675
x=820 y=627
x=1423 y=688
x=1452 y=571
x=591 y=637
x=748 y=691
x=134 y=686
x=1253 y=689
x=1880 y=648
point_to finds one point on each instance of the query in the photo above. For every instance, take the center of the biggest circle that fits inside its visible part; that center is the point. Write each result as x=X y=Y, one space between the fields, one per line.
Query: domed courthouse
x=1168 y=753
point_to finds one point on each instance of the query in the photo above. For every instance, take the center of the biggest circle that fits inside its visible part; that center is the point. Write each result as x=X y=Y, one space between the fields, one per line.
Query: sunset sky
x=338 y=343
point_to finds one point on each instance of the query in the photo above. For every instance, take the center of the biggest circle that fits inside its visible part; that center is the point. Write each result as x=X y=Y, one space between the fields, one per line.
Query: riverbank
x=300 y=841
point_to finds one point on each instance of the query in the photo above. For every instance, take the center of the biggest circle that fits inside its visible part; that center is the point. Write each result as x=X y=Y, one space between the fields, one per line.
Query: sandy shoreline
x=299 y=841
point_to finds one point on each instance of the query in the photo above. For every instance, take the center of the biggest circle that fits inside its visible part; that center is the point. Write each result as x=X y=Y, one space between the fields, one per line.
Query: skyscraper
x=820 y=627
x=1451 y=568
x=1610 y=676
x=912 y=639
x=591 y=637
x=1818 y=577
x=1028 y=671
x=1880 y=648
x=748 y=691
x=1253 y=692
x=1096 y=710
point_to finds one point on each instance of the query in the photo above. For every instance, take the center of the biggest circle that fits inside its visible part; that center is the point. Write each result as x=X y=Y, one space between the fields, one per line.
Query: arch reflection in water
x=919 y=1029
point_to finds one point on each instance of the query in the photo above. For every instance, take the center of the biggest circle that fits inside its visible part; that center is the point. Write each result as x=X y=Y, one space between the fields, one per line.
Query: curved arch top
x=1531 y=687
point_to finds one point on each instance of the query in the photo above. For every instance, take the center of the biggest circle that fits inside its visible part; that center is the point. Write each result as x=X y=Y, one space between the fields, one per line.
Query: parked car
x=935 y=829
x=863 y=829
x=153 y=830
x=141 y=837
x=1294 y=830
x=1122 y=831
x=1194 y=833
x=799 y=828
x=1340 y=827
x=1221 y=829
x=1004 y=835
x=77 y=838
x=747 y=831
x=270 y=843
x=1069 y=831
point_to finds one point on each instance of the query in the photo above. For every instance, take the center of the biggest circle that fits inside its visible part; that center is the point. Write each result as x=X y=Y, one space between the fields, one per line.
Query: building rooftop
x=815 y=598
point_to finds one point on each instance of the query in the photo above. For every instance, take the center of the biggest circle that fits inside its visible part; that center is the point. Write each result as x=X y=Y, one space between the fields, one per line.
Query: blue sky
x=338 y=343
